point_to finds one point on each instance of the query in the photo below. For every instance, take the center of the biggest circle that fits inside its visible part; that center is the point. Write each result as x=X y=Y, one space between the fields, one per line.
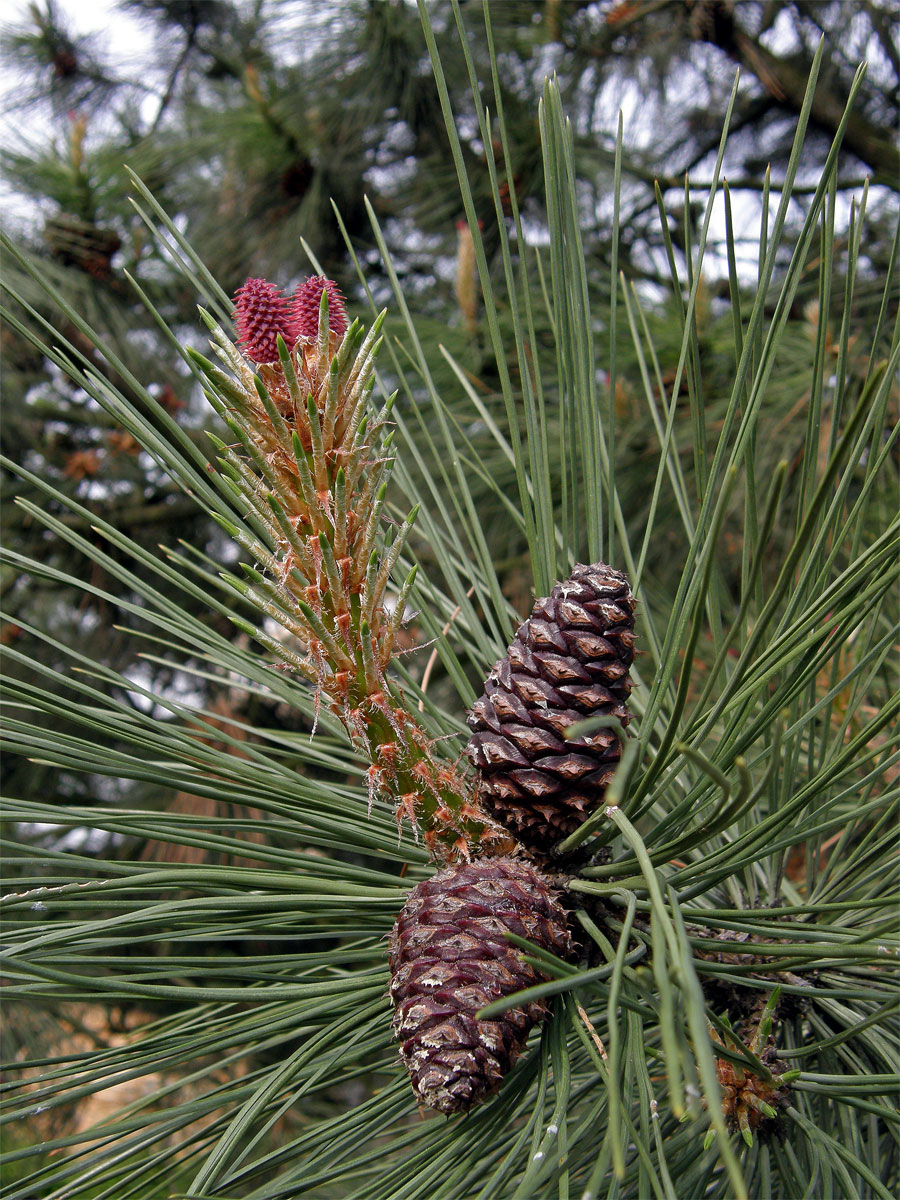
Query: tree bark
x=786 y=78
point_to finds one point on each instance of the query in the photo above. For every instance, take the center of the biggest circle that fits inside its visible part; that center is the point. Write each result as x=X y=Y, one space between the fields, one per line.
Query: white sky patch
x=183 y=691
x=126 y=40
x=128 y=43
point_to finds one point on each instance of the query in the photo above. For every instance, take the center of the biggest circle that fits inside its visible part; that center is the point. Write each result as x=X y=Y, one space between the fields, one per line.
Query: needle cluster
x=311 y=467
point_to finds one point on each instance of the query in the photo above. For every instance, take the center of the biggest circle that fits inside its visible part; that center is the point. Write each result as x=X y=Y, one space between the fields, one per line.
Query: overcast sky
x=128 y=41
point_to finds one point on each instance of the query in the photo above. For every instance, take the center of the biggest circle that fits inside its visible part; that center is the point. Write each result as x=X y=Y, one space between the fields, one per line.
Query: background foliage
x=180 y=853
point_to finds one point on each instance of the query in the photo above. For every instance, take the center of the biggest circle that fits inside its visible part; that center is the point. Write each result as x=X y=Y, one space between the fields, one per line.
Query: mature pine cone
x=569 y=661
x=450 y=958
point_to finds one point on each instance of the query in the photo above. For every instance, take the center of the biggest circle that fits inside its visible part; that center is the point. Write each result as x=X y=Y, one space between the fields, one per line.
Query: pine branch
x=784 y=79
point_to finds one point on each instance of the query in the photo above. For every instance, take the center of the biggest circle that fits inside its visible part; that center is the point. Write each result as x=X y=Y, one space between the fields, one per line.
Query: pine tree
x=726 y=1009
x=305 y=105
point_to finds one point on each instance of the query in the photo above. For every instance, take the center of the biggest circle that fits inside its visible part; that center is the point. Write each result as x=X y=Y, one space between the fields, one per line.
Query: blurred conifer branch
x=176 y=843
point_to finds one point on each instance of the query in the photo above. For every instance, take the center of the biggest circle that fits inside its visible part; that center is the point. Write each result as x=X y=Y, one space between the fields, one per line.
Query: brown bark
x=785 y=79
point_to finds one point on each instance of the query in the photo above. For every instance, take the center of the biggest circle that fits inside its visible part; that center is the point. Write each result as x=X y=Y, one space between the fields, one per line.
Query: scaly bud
x=261 y=314
x=310 y=466
x=305 y=309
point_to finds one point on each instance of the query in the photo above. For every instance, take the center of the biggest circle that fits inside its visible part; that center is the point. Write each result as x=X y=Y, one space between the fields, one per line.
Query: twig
x=592 y=1031
x=432 y=658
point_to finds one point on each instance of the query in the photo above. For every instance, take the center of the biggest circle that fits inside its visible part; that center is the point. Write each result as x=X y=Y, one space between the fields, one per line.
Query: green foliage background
x=738 y=459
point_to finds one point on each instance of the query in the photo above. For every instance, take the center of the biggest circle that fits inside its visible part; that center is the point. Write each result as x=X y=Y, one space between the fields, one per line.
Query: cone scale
x=569 y=661
x=450 y=957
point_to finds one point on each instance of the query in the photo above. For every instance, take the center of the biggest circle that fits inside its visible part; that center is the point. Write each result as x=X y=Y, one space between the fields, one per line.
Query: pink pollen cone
x=305 y=310
x=261 y=313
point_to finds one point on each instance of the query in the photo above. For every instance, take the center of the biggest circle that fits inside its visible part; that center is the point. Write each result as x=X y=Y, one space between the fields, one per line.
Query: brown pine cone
x=569 y=661
x=450 y=958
